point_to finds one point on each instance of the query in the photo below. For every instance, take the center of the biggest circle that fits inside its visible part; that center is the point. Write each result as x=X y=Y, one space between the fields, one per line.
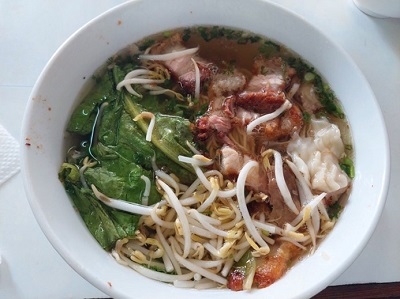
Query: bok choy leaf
x=104 y=123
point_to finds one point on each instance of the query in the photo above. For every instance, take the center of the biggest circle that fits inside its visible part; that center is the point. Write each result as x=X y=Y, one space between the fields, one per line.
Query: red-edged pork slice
x=182 y=68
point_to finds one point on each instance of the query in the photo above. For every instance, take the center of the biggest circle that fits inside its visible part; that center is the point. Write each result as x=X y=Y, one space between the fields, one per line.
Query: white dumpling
x=317 y=157
x=327 y=136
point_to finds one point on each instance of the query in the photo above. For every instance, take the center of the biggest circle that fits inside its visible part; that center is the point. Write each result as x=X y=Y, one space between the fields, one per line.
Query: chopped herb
x=269 y=48
x=334 y=210
x=186 y=34
x=204 y=33
x=301 y=67
x=309 y=76
x=210 y=33
x=348 y=147
x=248 y=39
x=325 y=94
x=230 y=67
x=147 y=43
x=202 y=109
x=232 y=34
x=265 y=233
x=327 y=98
x=96 y=79
x=216 y=32
x=306 y=117
x=347 y=165
x=167 y=34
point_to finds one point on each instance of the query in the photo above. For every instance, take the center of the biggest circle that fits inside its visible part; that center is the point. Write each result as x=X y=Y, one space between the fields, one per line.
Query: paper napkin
x=9 y=155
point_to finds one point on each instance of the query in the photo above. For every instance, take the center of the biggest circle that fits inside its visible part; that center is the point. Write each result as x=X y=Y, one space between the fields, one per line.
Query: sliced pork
x=268 y=268
x=273 y=266
x=183 y=68
x=307 y=96
x=265 y=91
x=231 y=161
x=240 y=101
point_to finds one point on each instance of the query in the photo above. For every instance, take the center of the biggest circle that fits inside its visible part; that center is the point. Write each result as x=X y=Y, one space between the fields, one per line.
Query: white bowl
x=55 y=95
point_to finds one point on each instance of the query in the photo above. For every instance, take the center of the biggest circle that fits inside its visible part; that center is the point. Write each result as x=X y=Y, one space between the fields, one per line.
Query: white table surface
x=31 y=31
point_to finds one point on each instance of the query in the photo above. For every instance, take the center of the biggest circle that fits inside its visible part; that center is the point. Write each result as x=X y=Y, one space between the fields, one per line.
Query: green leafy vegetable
x=105 y=224
x=83 y=117
x=122 y=154
x=306 y=117
x=170 y=133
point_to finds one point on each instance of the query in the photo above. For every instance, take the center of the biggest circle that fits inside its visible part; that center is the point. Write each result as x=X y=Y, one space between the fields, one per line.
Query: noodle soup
x=209 y=157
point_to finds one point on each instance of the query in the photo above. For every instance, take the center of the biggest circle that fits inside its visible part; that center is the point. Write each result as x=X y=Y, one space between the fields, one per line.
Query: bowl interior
x=55 y=95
